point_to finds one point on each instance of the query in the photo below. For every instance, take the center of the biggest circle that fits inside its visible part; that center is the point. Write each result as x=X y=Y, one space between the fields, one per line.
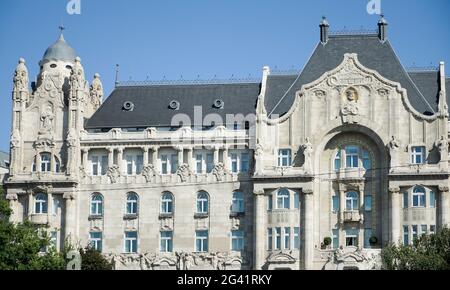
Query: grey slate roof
x=428 y=84
x=151 y=104
x=60 y=50
x=372 y=53
x=4 y=158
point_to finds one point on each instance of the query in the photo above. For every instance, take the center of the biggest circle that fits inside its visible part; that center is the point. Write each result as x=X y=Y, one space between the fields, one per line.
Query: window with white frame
x=335 y=238
x=297 y=238
x=201 y=241
x=405 y=235
x=97 y=204
x=95 y=240
x=56 y=205
x=209 y=162
x=237 y=240
x=337 y=161
x=283 y=199
x=432 y=199
x=132 y=204
x=166 y=244
x=202 y=203
x=414 y=232
x=99 y=164
x=417 y=155
x=173 y=163
x=352 y=156
x=245 y=160
x=169 y=163
x=277 y=238
x=199 y=163
x=166 y=203
x=238 y=202
x=131 y=242
x=269 y=239
x=284 y=158
x=134 y=164
x=234 y=162
x=355 y=156
x=287 y=238
x=164 y=164
x=40 y=203
x=46 y=163
x=335 y=201
x=351 y=201
x=351 y=237
x=418 y=196
x=432 y=229
x=423 y=229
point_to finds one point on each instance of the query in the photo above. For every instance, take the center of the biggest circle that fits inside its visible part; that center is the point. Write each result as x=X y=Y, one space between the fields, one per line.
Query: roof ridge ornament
x=382 y=28
x=324 y=28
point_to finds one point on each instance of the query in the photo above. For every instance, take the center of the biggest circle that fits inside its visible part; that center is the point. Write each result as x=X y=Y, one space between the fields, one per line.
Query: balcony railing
x=351 y=173
x=351 y=216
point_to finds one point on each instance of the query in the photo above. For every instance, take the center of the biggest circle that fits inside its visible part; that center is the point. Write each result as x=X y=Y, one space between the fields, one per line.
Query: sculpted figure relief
x=46 y=119
x=96 y=92
x=21 y=77
x=307 y=153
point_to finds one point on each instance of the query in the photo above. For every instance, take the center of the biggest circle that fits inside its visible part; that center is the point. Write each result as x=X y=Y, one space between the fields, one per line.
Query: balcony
x=351 y=173
x=351 y=216
x=39 y=219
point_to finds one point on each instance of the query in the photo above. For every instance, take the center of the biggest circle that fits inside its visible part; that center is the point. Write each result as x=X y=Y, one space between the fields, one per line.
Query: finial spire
x=324 y=26
x=117 y=75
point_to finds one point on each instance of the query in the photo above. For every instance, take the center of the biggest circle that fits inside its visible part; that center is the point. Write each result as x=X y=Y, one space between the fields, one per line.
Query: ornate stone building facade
x=315 y=170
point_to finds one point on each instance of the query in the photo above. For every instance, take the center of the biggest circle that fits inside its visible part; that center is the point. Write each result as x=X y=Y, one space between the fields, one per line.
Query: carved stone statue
x=219 y=171
x=96 y=92
x=184 y=172
x=149 y=172
x=307 y=153
x=113 y=173
x=442 y=145
x=46 y=119
x=77 y=80
x=15 y=139
x=394 y=147
x=21 y=77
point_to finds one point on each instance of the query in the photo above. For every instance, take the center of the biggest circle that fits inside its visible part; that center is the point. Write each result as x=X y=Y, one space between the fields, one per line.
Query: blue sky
x=175 y=38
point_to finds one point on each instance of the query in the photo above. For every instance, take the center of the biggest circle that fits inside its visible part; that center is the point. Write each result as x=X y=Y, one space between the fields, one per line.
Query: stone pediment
x=281 y=257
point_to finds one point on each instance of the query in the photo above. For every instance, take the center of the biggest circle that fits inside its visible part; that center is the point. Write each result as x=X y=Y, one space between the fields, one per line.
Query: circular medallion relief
x=351 y=94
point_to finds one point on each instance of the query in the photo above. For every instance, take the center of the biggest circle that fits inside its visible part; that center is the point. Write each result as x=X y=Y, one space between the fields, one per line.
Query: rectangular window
x=418 y=155
x=335 y=203
x=56 y=205
x=351 y=238
x=54 y=239
x=269 y=202
x=269 y=239
x=284 y=157
x=104 y=165
x=337 y=161
x=278 y=238
x=405 y=235
x=244 y=162
x=368 y=203
x=351 y=153
x=199 y=163
x=95 y=240
x=139 y=164
x=131 y=242
x=287 y=238
x=367 y=236
x=423 y=229
x=432 y=229
x=414 y=233
x=296 y=200
x=174 y=163
x=405 y=199
x=45 y=163
x=129 y=162
x=234 y=163
x=94 y=160
x=297 y=238
x=335 y=238
x=164 y=164
x=432 y=199
x=237 y=240
x=166 y=242
x=201 y=241
x=209 y=163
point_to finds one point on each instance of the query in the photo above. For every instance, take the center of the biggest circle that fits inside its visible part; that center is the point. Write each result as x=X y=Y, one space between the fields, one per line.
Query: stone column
x=49 y=206
x=308 y=232
x=70 y=217
x=259 y=240
x=341 y=205
x=216 y=155
x=180 y=150
x=13 y=199
x=110 y=157
x=226 y=160
x=145 y=157
x=361 y=203
x=38 y=163
x=190 y=158
x=155 y=159
x=30 y=203
x=120 y=159
x=444 y=206
x=85 y=159
x=394 y=194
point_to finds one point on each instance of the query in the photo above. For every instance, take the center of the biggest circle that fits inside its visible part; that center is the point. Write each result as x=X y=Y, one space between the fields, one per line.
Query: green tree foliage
x=94 y=260
x=429 y=252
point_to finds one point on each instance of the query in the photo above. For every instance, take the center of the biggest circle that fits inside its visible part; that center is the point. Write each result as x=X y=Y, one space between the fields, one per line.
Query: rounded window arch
x=40 y=203
x=97 y=204
x=283 y=199
x=132 y=203
x=419 y=196
x=238 y=205
x=351 y=201
x=167 y=203
x=202 y=202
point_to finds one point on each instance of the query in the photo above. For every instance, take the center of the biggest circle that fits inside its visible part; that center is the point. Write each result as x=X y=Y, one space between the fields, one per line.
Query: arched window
x=238 y=202
x=132 y=203
x=283 y=199
x=167 y=203
x=202 y=202
x=46 y=163
x=97 y=204
x=418 y=196
x=40 y=204
x=351 y=200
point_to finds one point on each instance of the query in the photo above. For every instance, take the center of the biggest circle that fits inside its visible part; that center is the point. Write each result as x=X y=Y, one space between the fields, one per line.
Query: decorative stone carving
x=353 y=258
x=351 y=94
x=184 y=172
x=349 y=111
x=219 y=171
x=149 y=132
x=149 y=172
x=259 y=150
x=72 y=138
x=21 y=77
x=113 y=173
x=320 y=94
x=46 y=120
x=442 y=145
x=384 y=93
x=15 y=139
x=394 y=149
x=307 y=153
x=77 y=80
x=96 y=92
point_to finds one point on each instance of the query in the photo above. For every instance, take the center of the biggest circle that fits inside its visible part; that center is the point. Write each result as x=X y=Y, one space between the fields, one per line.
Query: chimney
x=324 y=30
x=382 y=29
